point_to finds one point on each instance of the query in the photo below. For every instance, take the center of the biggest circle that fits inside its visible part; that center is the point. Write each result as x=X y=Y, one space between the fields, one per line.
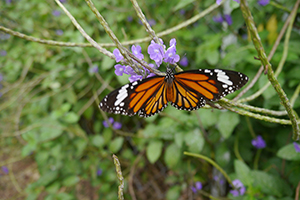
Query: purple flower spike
x=118 y=55
x=198 y=185
x=194 y=189
x=259 y=142
x=63 y=1
x=56 y=13
x=239 y=188
x=120 y=69
x=156 y=53
x=137 y=51
x=171 y=56
x=93 y=69
x=218 y=19
x=110 y=120
x=117 y=125
x=129 y=70
x=184 y=62
x=263 y=2
x=297 y=147
x=228 y=19
x=135 y=78
x=5 y=169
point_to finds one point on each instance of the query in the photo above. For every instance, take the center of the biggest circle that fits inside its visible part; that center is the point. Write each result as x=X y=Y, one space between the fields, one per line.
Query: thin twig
x=120 y=177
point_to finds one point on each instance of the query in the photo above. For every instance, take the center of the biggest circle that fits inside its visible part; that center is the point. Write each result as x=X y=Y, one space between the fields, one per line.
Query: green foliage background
x=50 y=118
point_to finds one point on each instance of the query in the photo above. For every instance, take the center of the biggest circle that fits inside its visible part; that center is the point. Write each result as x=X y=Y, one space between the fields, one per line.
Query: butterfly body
x=187 y=90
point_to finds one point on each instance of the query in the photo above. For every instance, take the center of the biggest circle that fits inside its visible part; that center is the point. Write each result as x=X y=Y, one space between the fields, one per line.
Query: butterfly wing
x=145 y=97
x=192 y=89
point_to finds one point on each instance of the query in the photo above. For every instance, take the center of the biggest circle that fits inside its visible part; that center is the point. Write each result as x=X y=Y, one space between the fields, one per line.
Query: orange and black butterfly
x=187 y=90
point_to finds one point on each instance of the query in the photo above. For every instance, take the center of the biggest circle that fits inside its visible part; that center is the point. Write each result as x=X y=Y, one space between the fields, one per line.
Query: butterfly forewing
x=145 y=97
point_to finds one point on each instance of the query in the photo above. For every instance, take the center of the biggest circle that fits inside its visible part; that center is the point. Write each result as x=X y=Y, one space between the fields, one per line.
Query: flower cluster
x=239 y=188
x=259 y=142
x=115 y=125
x=224 y=18
x=198 y=186
x=157 y=52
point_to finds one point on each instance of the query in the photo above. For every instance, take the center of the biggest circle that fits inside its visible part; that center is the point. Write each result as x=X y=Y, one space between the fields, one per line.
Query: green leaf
x=243 y=172
x=181 y=4
x=288 y=152
x=47 y=178
x=212 y=56
x=70 y=181
x=270 y=184
x=98 y=141
x=227 y=122
x=195 y=141
x=208 y=117
x=71 y=117
x=116 y=144
x=154 y=150
x=223 y=155
x=173 y=193
x=172 y=155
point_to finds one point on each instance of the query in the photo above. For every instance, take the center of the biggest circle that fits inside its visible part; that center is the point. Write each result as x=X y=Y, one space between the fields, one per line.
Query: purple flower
x=59 y=32
x=118 y=55
x=137 y=51
x=219 y=179
x=198 y=186
x=3 y=53
x=99 y=172
x=184 y=61
x=150 y=75
x=129 y=70
x=129 y=18
x=5 y=169
x=297 y=147
x=239 y=188
x=93 y=69
x=152 y=22
x=218 y=19
x=8 y=2
x=120 y=69
x=170 y=55
x=63 y=1
x=228 y=19
x=117 y=125
x=182 y=11
x=263 y=2
x=56 y=13
x=110 y=120
x=259 y=142
x=156 y=52
x=133 y=78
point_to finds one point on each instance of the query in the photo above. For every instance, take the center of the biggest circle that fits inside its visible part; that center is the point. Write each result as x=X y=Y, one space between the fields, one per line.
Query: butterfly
x=186 y=90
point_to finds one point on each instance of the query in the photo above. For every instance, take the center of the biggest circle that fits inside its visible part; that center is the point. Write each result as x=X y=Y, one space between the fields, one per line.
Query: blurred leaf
x=154 y=150
x=179 y=138
x=194 y=140
x=208 y=117
x=97 y=140
x=222 y=156
x=71 y=118
x=212 y=56
x=272 y=28
x=243 y=172
x=288 y=152
x=47 y=178
x=107 y=63
x=181 y=4
x=173 y=193
x=116 y=144
x=270 y=184
x=70 y=181
x=172 y=155
x=227 y=122
x=53 y=188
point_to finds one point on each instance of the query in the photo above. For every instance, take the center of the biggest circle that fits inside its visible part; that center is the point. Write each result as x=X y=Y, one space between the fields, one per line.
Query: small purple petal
x=129 y=18
x=238 y=1
x=218 y=2
x=56 y=13
x=218 y=19
x=59 y=32
x=263 y=2
x=171 y=56
x=118 y=55
x=173 y=42
x=117 y=125
x=63 y=1
x=4 y=36
x=258 y=142
x=297 y=147
x=137 y=51
x=194 y=189
x=93 y=69
x=150 y=75
x=5 y=169
x=99 y=172
x=198 y=185
x=129 y=70
x=135 y=78
x=228 y=19
x=239 y=188
x=152 y=22
x=3 y=53
x=184 y=62
x=110 y=120
x=120 y=69
x=156 y=53
x=182 y=12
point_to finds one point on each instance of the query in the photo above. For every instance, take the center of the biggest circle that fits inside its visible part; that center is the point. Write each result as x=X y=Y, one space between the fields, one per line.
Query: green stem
x=263 y=58
x=212 y=163
x=120 y=177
